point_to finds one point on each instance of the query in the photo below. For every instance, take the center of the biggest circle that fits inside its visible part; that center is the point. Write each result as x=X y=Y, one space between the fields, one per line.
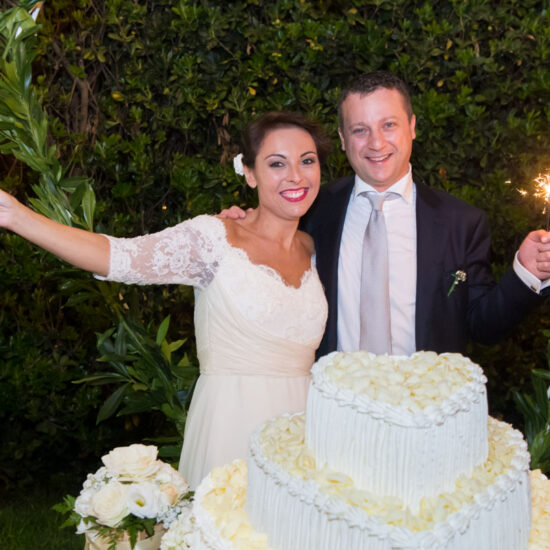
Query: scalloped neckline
x=266 y=268
x=273 y=273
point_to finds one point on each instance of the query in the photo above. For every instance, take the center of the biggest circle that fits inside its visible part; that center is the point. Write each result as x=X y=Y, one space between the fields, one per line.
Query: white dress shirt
x=400 y=218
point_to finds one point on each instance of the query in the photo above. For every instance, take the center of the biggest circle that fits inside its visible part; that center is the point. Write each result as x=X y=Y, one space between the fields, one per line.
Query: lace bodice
x=196 y=252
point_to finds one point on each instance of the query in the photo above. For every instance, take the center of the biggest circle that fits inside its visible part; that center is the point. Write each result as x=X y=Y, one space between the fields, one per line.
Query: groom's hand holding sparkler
x=534 y=253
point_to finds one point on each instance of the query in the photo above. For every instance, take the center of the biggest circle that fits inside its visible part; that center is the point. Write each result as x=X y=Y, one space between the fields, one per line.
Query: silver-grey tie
x=375 y=297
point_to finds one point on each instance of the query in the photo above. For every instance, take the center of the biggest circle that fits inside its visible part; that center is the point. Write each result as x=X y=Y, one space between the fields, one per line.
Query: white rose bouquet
x=128 y=496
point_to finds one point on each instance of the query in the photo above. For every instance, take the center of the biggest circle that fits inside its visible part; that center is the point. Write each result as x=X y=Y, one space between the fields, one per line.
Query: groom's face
x=377 y=136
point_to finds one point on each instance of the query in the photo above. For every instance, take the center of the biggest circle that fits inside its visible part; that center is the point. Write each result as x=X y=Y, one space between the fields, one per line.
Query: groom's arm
x=494 y=310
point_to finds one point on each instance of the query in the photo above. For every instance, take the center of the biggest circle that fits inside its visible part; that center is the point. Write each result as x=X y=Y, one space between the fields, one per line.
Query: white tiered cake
x=392 y=453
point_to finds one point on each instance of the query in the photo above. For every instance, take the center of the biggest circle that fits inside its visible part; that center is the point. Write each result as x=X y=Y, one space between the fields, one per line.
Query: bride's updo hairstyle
x=255 y=133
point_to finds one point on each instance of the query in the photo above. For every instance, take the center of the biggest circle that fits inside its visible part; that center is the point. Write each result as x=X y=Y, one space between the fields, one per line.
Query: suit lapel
x=327 y=242
x=430 y=243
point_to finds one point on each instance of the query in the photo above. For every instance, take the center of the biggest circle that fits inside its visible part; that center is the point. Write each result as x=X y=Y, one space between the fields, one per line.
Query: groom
x=441 y=290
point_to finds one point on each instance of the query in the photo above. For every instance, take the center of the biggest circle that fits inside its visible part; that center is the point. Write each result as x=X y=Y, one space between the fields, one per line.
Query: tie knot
x=377 y=200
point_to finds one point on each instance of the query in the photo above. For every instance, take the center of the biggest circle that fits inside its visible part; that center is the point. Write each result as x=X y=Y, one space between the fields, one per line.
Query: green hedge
x=148 y=99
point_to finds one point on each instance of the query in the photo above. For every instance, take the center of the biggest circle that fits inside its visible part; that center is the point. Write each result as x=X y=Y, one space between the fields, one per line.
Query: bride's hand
x=81 y=248
x=8 y=209
x=233 y=213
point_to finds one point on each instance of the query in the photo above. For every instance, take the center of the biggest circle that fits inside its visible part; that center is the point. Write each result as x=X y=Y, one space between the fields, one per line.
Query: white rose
x=172 y=483
x=82 y=505
x=145 y=501
x=170 y=493
x=134 y=462
x=109 y=504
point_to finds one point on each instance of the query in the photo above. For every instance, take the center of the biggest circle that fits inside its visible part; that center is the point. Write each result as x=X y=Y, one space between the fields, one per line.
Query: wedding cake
x=391 y=453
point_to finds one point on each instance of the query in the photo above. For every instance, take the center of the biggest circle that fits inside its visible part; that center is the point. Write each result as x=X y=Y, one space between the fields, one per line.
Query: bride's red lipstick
x=295 y=195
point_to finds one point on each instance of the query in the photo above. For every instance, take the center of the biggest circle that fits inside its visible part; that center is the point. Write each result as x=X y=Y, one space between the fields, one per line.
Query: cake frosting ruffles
x=391 y=453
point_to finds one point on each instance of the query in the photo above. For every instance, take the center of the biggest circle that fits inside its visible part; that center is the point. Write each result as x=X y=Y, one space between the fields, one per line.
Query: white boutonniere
x=459 y=276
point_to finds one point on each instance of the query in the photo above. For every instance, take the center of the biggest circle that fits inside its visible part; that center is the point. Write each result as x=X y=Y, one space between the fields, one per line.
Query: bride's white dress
x=256 y=336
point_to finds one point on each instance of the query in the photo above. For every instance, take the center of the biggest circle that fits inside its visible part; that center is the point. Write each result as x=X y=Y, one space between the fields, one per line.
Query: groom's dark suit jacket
x=451 y=235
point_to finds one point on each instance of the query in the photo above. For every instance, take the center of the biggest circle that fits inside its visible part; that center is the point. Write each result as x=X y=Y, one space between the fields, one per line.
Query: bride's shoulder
x=205 y=224
x=202 y=231
x=238 y=231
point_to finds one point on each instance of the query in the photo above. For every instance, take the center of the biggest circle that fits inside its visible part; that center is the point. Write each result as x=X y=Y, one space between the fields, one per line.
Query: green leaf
x=88 y=207
x=163 y=330
x=111 y=404
x=77 y=71
x=541 y=373
x=104 y=337
x=184 y=372
x=120 y=341
x=176 y=345
x=103 y=378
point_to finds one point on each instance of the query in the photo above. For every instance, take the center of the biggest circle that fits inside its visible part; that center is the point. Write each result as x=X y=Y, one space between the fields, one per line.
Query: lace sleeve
x=188 y=253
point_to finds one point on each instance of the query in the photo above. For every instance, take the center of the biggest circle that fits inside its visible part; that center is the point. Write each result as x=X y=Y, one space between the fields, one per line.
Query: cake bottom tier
x=220 y=522
x=298 y=506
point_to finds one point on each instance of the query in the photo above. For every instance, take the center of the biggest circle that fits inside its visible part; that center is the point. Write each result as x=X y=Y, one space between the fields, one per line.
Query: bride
x=260 y=309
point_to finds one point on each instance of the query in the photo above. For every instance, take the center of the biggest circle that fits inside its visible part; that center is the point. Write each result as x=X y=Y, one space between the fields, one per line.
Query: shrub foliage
x=146 y=100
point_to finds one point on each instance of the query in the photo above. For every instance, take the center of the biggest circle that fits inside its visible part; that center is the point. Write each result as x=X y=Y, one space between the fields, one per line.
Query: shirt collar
x=403 y=187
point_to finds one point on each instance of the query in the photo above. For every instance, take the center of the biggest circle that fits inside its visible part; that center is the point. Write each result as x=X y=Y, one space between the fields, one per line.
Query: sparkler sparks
x=541 y=191
x=543 y=187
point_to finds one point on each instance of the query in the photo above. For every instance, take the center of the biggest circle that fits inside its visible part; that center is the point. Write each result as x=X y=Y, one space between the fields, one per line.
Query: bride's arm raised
x=81 y=248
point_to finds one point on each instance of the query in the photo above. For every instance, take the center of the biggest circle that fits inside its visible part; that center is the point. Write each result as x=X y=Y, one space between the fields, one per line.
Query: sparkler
x=542 y=190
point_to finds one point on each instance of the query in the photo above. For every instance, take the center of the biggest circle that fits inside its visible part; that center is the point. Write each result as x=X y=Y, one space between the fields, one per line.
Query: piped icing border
x=461 y=400
x=310 y=492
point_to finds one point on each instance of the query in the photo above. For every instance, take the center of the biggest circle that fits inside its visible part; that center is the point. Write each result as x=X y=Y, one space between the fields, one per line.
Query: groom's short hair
x=370 y=82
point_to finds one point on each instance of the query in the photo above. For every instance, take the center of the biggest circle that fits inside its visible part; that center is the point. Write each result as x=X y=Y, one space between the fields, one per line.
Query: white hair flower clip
x=238 y=164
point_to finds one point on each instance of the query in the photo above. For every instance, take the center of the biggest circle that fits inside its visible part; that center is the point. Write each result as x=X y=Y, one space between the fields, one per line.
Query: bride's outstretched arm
x=81 y=248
